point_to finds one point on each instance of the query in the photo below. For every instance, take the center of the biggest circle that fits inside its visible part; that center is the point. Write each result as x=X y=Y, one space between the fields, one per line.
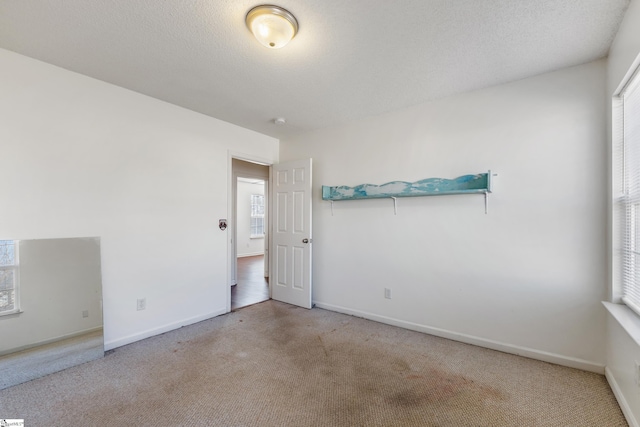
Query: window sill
x=628 y=320
x=257 y=237
x=11 y=314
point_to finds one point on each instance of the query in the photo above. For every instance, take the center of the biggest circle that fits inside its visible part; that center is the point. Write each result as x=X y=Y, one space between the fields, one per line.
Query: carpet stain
x=436 y=385
x=366 y=376
x=338 y=370
x=324 y=349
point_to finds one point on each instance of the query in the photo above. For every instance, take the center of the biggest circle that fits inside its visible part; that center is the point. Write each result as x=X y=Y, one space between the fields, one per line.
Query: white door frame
x=231 y=225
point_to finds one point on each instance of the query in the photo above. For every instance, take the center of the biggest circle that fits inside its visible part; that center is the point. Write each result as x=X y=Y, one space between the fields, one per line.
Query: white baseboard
x=544 y=356
x=110 y=345
x=624 y=405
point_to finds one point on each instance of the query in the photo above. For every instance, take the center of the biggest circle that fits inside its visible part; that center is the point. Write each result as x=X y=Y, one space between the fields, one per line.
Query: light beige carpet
x=272 y=364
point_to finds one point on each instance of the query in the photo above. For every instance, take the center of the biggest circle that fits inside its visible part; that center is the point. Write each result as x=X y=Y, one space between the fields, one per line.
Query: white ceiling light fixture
x=271 y=25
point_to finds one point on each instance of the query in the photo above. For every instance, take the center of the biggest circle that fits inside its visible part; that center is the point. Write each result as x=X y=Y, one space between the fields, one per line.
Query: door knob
x=305 y=240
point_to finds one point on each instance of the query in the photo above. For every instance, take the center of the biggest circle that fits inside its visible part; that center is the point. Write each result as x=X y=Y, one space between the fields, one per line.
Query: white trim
x=12 y=312
x=110 y=345
x=614 y=223
x=249 y=158
x=633 y=69
x=15 y=267
x=622 y=402
x=531 y=353
x=628 y=320
x=616 y=180
x=231 y=225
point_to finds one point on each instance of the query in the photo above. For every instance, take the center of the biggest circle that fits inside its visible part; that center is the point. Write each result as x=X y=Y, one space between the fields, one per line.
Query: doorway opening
x=249 y=272
x=288 y=229
x=252 y=286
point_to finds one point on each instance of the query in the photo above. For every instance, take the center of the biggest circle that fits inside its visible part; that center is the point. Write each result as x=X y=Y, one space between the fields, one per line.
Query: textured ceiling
x=350 y=59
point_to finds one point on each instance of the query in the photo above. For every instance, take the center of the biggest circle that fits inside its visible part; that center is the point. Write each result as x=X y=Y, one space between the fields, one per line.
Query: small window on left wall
x=9 y=277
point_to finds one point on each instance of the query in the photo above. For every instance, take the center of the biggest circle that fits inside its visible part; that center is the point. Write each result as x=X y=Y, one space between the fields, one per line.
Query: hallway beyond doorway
x=252 y=286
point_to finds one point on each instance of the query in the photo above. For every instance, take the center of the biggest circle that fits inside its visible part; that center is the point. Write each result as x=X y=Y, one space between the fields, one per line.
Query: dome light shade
x=272 y=26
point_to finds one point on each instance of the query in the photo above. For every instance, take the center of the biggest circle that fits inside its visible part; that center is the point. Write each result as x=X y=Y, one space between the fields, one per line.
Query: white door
x=291 y=238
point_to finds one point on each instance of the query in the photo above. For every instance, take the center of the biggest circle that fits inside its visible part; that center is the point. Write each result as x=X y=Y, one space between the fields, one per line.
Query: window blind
x=257 y=215
x=630 y=202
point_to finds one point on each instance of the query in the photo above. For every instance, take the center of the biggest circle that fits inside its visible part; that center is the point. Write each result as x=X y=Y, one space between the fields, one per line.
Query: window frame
x=624 y=241
x=257 y=216
x=16 y=278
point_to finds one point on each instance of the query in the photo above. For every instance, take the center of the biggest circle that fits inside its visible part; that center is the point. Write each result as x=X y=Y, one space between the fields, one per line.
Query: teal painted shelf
x=466 y=184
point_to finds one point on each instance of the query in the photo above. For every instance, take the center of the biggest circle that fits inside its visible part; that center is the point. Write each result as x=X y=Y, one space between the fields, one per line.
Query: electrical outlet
x=85 y=313
x=387 y=293
x=142 y=304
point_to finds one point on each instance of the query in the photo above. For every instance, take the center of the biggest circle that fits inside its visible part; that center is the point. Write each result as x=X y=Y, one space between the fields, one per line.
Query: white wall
x=246 y=245
x=526 y=278
x=622 y=349
x=82 y=157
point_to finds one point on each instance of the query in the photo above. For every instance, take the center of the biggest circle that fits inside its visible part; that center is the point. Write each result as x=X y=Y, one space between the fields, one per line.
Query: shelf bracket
x=486 y=203
x=332 y=208
x=395 y=205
